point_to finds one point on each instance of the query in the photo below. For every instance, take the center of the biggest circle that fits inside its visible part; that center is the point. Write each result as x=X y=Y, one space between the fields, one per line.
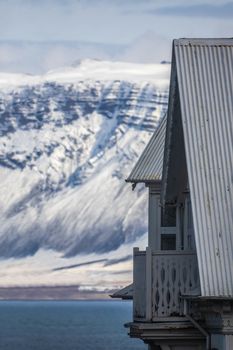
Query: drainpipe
x=197 y=325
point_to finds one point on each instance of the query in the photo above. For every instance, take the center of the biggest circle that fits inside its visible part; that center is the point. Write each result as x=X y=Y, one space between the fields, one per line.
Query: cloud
x=88 y=20
x=79 y=265
x=40 y=57
x=147 y=48
x=199 y=10
x=110 y=262
x=42 y=269
x=62 y=292
x=69 y=3
x=120 y=272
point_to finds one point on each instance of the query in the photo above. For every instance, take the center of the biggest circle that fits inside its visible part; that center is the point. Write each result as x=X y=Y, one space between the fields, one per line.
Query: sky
x=37 y=36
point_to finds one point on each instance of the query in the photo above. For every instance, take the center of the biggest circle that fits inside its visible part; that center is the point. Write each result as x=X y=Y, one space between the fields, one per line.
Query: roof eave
x=143 y=181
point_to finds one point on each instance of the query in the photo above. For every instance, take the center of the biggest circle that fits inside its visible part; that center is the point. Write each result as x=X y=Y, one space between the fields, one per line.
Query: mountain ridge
x=95 y=70
x=65 y=152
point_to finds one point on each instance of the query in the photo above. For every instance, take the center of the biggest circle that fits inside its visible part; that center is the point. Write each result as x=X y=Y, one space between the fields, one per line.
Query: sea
x=66 y=325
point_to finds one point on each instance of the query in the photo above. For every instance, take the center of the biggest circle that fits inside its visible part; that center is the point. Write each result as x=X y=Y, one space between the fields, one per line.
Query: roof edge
x=143 y=181
x=203 y=42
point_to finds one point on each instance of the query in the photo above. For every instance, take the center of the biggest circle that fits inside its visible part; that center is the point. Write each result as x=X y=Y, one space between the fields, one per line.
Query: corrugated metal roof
x=205 y=82
x=150 y=164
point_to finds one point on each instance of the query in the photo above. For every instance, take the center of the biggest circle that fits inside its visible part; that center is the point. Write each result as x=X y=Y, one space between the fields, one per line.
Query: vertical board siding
x=229 y=342
x=205 y=82
x=139 y=285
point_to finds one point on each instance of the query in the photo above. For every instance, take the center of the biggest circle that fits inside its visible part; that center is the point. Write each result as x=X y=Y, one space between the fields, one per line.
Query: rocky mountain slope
x=68 y=141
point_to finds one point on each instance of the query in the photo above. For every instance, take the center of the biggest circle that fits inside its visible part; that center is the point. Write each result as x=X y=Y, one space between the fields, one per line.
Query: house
x=183 y=282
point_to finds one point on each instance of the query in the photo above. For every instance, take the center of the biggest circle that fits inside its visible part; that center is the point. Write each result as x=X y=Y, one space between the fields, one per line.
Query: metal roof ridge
x=203 y=42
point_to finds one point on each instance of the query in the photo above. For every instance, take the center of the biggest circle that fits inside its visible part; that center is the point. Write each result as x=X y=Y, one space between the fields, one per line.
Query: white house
x=183 y=282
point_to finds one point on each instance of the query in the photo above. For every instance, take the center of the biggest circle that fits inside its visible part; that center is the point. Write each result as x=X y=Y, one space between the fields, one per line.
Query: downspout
x=197 y=325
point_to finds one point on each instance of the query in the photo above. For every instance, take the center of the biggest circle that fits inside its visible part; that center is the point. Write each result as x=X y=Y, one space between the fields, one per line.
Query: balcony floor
x=175 y=330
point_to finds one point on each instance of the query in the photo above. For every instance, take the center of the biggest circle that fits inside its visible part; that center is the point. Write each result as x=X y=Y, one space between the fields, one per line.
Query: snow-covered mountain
x=68 y=141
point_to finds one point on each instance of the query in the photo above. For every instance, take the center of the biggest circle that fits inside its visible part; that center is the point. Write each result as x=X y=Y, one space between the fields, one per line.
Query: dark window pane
x=168 y=242
x=168 y=216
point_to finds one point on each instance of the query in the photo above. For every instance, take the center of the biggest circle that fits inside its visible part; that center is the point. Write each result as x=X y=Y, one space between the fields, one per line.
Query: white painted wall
x=154 y=218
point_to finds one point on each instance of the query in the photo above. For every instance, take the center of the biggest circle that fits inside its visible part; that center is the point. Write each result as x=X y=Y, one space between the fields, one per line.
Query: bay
x=66 y=325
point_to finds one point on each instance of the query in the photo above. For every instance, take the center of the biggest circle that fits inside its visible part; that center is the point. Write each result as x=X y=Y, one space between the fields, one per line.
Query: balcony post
x=148 y=284
x=154 y=217
x=135 y=251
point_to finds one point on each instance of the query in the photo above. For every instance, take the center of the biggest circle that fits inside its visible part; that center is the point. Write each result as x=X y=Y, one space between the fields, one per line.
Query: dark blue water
x=66 y=325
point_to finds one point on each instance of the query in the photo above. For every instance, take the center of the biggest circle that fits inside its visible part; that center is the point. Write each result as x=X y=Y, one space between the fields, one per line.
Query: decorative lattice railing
x=160 y=279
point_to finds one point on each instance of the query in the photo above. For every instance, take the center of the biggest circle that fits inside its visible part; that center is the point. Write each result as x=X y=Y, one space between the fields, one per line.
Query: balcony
x=160 y=278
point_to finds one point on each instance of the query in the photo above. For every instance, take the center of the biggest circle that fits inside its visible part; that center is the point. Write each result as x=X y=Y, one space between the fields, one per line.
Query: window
x=168 y=228
x=168 y=242
x=168 y=216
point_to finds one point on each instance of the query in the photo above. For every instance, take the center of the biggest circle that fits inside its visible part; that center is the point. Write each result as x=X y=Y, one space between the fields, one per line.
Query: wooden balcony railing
x=160 y=278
